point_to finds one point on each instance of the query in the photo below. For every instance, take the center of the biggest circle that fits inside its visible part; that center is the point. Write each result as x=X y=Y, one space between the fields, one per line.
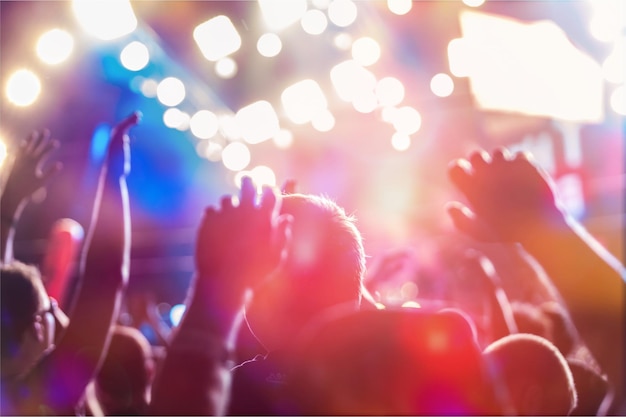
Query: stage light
x=278 y=14
x=303 y=100
x=269 y=45
x=366 y=51
x=441 y=85
x=283 y=139
x=618 y=100
x=400 y=141
x=23 y=87
x=236 y=156
x=342 y=12
x=314 y=22
x=171 y=91
x=105 y=19
x=399 y=7
x=389 y=91
x=217 y=38
x=55 y=46
x=226 y=68
x=350 y=79
x=135 y=56
x=204 y=124
x=257 y=122
x=323 y=121
x=474 y=3
x=407 y=120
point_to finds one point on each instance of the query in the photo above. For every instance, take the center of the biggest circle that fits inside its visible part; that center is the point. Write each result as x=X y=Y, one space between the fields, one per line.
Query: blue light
x=99 y=142
x=176 y=314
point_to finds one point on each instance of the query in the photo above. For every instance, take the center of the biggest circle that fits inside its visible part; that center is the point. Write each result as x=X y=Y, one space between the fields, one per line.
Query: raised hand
x=240 y=244
x=508 y=195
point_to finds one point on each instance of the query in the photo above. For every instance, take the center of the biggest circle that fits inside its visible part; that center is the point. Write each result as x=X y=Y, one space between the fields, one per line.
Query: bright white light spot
x=400 y=141
x=262 y=175
x=149 y=87
x=204 y=124
x=171 y=91
x=55 y=46
x=321 y=4
x=389 y=91
x=217 y=38
x=351 y=80
x=257 y=122
x=278 y=14
x=607 y=19
x=388 y=114
x=3 y=152
x=614 y=66
x=399 y=7
x=135 y=56
x=23 y=88
x=236 y=156
x=314 y=22
x=229 y=127
x=176 y=314
x=460 y=57
x=407 y=120
x=442 y=85
x=303 y=100
x=366 y=102
x=366 y=51
x=226 y=68
x=474 y=3
x=209 y=150
x=174 y=118
x=343 y=41
x=342 y=12
x=283 y=139
x=105 y=19
x=323 y=121
x=269 y=45
x=618 y=100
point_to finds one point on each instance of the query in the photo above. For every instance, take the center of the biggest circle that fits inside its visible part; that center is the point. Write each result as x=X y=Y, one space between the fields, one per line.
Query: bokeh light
x=323 y=121
x=474 y=3
x=135 y=56
x=407 y=120
x=350 y=80
x=618 y=100
x=3 y=151
x=55 y=46
x=366 y=51
x=226 y=68
x=283 y=139
x=171 y=91
x=104 y=19
x=176 y=119
x=400 y=141
x=389 y=91
x=399 y=7
x=257 y=122
x=614 y=66
x=442 y=85
x=303 y=100
x=263 y=175
x=365 y=102
x=23 y=87
x=269 y=45
x=278 y=14
x=314 y=22
x=236 y=156
x=342 y=12
x=217 y=38
x=204 y=124
x=149 y=87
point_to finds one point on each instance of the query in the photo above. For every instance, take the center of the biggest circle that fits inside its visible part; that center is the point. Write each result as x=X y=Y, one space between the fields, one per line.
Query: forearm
x=10 y=213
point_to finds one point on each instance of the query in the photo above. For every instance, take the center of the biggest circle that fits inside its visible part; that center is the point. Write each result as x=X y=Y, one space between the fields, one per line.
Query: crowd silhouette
x=288 y=269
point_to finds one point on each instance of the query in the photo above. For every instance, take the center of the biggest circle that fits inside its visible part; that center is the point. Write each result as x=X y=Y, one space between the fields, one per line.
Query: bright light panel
x=55 y=46
x=171 y=91
x=303 y=100
x=105 y=19
x=618 y=100
x=531 y=69
x=278 y=14
x=23 y=88
x=135 y=56
x=217 y=38
x=257 y=122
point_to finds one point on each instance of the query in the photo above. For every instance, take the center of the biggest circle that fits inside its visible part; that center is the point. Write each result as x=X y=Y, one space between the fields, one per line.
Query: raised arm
x=238 y=246
x=27 y=175
x=516 y=199
x=104 y=273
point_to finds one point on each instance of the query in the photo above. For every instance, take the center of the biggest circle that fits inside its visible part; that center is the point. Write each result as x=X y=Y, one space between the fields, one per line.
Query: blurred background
x=364 y=101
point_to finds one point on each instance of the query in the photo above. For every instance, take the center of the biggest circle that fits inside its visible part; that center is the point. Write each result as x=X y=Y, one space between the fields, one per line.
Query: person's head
x=535 y=378
x=27 y=315
x=392 y=362
x=324 y=267
x=125 y=377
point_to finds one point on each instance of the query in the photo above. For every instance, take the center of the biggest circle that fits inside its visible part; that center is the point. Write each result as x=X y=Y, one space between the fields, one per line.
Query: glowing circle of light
x=204 y=124
x=618 y=100
x=314 y=22
x=226 y=68
x=229 y=127
x=55 y=46
x=269 y=45
x=389 y=91
x=279 y=14
x=135 y=56
x=399 y=7
x=106 y=20
x=474 y=3
x=209 y=150
x=400 y=142
x=262 y=175
x=149 y=88
x=366 y=51
x=323 y=121
x=236 y=156
x=343 y=41
x=283 y=139
x=171 y=91
x=407 y=120
x=365 y=102
x=23 y=88
x=342 y=12
x=217 y=38
x=171 y=117
x=442 y=85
